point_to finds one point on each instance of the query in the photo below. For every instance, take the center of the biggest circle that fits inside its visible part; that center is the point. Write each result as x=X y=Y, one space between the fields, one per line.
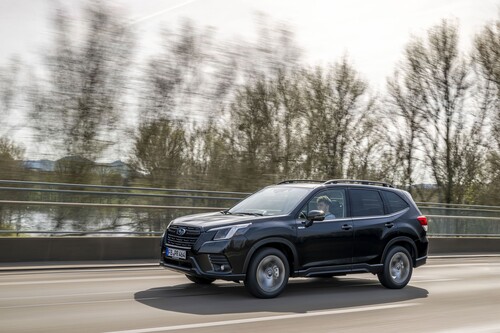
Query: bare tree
x=9 y=88
x=185 y=82
x=486 y=57
x=10 y=151
x=189 y=78
x=439 y=76
x=255 y=130
x=158 y=151
x=486 y=61
x=335 y=105
x=78 y=105
x=213 y=161
x=290 y=122
x=406 y=113
x=275 y=51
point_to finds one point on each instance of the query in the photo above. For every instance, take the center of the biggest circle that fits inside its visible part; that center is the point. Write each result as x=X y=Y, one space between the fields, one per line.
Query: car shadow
x=300 y=295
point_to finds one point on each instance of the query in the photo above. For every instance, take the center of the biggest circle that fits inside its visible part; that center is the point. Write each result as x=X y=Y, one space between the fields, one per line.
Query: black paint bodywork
x=326 y=248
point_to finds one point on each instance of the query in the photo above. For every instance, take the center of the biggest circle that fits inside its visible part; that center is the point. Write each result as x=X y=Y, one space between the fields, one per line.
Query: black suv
x=302 y=228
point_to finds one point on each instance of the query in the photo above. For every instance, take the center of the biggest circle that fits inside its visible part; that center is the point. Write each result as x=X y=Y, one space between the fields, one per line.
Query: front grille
x=185 y=240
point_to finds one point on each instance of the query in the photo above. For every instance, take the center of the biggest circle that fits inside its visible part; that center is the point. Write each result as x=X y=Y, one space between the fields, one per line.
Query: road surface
x=446 y=295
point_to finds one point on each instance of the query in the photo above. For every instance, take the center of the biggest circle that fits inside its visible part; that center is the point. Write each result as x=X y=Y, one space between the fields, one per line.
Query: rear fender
x=398 y=240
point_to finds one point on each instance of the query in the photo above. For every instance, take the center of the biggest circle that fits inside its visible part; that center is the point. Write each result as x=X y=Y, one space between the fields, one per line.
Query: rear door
x=371 y=223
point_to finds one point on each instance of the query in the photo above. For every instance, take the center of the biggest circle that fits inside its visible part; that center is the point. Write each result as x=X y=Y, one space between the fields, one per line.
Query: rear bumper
x=420 y=261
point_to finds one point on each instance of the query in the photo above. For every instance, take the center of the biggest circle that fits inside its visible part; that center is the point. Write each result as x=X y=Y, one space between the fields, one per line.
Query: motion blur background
x=236 y=95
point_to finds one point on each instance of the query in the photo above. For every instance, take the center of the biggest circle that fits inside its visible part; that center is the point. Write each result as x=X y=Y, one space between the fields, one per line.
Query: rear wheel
x=397 y=269
x=199 y=280
x=267 y=273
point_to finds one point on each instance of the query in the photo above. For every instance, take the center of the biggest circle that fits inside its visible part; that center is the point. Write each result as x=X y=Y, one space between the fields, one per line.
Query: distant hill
x=39 y=165
x=117 y=166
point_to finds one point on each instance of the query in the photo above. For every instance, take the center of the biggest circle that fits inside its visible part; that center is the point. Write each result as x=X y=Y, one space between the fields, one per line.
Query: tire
x=398 y=267
x=199 y=280
x=267 y=274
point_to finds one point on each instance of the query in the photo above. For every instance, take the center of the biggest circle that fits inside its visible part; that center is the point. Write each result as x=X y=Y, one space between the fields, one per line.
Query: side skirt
x=339 y=270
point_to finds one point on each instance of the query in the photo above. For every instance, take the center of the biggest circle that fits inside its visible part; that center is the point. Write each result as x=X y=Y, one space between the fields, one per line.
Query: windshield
x=271 y=201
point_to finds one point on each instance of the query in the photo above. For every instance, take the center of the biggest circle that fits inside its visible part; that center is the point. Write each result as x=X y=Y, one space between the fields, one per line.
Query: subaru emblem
x=181 y=231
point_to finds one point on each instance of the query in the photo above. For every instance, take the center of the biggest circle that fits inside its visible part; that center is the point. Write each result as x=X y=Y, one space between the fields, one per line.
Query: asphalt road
x=446 y=295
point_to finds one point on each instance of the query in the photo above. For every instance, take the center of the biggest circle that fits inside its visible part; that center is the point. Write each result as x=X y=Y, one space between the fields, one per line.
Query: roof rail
x=291 y=181
x=357 y=181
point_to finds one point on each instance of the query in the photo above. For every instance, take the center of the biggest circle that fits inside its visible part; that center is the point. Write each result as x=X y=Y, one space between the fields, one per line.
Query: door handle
x=347 y=227
x=389 y=225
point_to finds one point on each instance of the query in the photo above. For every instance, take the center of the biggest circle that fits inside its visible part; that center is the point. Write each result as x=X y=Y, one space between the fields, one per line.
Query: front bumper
x=215 y=266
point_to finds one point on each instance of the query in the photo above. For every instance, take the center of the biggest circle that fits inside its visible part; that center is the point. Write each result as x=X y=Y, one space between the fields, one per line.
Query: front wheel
x=397 y=268
x=199 y=280
x=267 y=273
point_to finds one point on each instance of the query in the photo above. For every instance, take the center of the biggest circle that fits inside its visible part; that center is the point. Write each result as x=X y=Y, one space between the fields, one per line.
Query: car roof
x=350 y=182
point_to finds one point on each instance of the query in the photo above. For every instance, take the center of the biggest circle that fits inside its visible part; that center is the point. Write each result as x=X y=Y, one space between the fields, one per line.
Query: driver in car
x=324 y=203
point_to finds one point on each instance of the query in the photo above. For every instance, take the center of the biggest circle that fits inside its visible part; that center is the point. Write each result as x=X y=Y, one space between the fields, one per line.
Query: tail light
x=423 y=221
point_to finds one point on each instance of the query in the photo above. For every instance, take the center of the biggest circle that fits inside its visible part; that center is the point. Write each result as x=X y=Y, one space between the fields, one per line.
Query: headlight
x=228 y=232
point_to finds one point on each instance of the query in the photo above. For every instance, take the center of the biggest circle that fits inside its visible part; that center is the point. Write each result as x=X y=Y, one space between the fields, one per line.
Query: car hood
x=207 y=221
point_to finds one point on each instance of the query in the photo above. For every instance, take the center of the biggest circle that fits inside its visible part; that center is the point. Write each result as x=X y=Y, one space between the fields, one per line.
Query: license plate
x=175 y=253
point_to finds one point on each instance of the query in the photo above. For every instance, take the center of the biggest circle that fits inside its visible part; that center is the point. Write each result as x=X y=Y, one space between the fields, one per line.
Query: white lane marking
x=71 y=295
x=434 y=280
x=270 y=318
x=494 y=328
x=77 y=303
x=90 y=294
x=20 y=283
x=40 y=270
x=455 y=256
x=486 y=264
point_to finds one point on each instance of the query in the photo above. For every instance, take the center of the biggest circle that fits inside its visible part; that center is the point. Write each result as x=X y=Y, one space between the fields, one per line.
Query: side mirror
x=314 y=215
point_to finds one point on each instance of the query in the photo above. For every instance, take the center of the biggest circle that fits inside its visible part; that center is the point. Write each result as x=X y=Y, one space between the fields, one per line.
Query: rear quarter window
x=394 y=202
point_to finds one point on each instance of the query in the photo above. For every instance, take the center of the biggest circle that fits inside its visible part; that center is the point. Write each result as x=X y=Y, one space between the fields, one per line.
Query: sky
x=372 y=33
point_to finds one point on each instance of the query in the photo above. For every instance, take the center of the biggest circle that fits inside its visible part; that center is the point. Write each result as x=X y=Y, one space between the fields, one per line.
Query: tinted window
x=394 y=202
x=366 y=203
x=336 y=204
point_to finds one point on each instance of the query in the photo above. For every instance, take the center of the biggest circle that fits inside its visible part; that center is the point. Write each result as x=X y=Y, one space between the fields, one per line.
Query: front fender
x=271 y=241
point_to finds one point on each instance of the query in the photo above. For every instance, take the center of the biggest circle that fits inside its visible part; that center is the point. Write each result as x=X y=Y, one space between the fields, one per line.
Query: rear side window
x=365 y=203
x=394 y=202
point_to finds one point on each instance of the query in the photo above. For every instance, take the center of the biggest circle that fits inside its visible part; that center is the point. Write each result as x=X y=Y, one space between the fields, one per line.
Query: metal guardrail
x=81 y=204
x=84 y=233
x=422 y=204
x=459 y=220
x=159 y=189
x=141 y=204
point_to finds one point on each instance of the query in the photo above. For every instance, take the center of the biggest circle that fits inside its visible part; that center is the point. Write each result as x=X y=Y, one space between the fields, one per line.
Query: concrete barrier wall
x=78 y=248
x=456 y=245
x=127 y=248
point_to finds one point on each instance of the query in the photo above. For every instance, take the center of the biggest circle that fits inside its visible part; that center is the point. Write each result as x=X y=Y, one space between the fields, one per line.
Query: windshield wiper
x=247 y=213
x=225 y=212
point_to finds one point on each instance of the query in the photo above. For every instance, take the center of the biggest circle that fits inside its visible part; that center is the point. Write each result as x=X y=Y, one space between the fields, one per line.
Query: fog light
x=220 y=263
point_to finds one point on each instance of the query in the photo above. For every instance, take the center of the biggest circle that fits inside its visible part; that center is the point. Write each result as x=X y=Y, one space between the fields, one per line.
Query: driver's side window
x=332 y=202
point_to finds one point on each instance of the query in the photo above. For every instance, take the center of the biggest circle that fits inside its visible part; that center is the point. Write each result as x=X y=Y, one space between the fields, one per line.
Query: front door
x=328 y=242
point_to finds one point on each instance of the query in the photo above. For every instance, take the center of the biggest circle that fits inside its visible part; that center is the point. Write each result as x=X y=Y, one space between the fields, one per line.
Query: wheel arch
x=278 y=243
x=405 y=242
